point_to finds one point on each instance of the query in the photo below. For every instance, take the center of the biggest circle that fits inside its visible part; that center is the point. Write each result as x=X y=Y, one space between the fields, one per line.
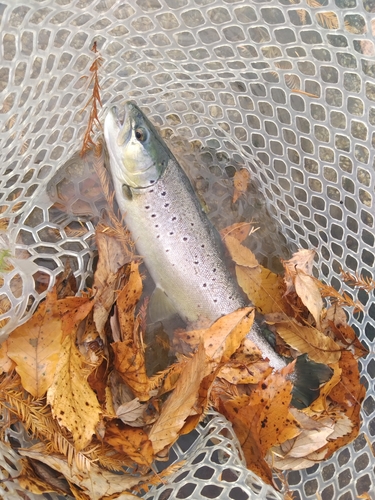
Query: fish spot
x=171 y=233
x=167 y=250
x=174 y=218
x=158 y=236
x=192 y=223
x=202 y=246
x=215 y=300
x=152 y=182
x=196 y=262
x=204 y=284
x=147 y=207
x=214 y=270
x=156 y=225
x=184 y=238
x=163 y=193
x=151 y=190
x=153 y=215
x=166 y=205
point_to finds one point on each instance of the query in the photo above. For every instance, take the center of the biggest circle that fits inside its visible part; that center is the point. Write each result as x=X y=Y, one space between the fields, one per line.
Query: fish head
x=138 y=155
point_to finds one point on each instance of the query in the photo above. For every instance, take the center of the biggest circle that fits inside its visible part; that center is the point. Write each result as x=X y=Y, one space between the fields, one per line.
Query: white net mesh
x=292 y=82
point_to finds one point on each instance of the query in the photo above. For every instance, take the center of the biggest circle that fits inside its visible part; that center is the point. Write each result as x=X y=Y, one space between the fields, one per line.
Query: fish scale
x=180 y=248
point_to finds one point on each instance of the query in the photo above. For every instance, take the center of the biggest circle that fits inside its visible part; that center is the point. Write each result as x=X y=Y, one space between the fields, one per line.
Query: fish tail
x=307 y=378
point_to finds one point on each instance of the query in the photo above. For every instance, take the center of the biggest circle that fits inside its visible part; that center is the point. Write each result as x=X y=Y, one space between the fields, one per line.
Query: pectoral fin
x=160 y=306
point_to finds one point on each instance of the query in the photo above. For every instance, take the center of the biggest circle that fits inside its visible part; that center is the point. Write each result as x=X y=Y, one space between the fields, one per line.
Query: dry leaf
x=309 y=293
x=126 y=303
x=6 y=364
x=263 y=420
x=130 y=363
x=73 y=402
x=241 y=181
x=320 y=404
x=264 y=289
x=302 y=260
x=132 y=442
x=35 y=346
x=96 y=483
x=241 y=254
x=221 y=340
x=180 y=403
x=108 y=276
x=131 y=413
x=309 y=340
x=239 y=230
x=237 y=372
x=36 y=477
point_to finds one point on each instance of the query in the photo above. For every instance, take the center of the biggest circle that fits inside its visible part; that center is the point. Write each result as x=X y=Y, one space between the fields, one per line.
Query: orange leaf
x=127 y=300
x=263 y=419
x=132 y=442
x=130 y=364
x=35 y=346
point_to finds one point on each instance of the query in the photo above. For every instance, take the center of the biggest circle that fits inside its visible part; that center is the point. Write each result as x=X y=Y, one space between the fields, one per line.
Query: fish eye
x=140 y=134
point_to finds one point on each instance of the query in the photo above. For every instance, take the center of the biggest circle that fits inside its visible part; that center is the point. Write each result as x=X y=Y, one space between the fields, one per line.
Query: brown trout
x=180 y=247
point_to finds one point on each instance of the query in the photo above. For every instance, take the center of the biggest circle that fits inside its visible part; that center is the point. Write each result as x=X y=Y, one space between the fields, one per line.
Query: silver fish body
x=179 y=245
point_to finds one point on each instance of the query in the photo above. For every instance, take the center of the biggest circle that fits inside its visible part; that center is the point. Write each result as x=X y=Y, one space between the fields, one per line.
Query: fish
x=179 y=245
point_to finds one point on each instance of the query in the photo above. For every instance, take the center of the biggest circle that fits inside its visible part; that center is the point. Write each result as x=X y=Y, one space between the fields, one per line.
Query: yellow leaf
x=310 y=341
x=241 y=255
x=35 y=345
x=309 y=293
x=264 y=289
x=241 y=181
x=73 y=402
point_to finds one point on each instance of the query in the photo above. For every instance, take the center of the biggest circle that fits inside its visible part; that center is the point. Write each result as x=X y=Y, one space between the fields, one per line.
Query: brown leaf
x=131 y=413
x=6 y=364
x=38 y=478
x=35 y=346
x=108 y=276
x=97 y=483
x=241 y=181
x=309 y=340
x=73 y=402
x=349 y=394
x=127 y=301
x=237 y=372
x=239 y=230
x=132 y=442
x=263 y=420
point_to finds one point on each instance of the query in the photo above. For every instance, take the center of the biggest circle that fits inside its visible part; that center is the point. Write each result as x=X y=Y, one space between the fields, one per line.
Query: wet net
x=289 y=82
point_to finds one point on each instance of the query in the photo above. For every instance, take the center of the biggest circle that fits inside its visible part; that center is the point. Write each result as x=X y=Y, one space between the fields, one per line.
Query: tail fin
x=307 y=378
